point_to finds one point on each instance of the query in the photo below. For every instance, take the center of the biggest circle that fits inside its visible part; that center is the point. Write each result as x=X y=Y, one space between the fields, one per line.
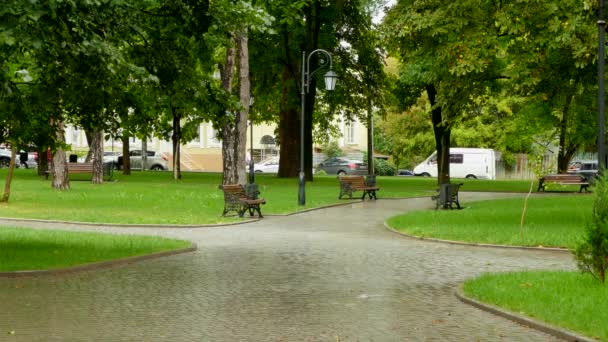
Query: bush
x=384 y=168
x=592 y=254
x=332 y=149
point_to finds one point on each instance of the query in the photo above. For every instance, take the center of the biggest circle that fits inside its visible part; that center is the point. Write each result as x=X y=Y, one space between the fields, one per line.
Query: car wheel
x=341 y=173
x=258 y=171
x=425 y=174
x=157 y=168
x=4 y=162
x=471 y=177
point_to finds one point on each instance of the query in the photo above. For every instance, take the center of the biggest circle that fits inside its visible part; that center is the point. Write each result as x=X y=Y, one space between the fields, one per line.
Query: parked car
x=586 y=168
x=405 y=173
x=111 y=157
x=269 y=165
x=23 y=159
x=154 y=161
x=342 y=166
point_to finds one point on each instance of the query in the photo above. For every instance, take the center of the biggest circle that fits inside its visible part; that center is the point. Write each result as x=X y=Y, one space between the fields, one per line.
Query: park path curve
x=333 y=274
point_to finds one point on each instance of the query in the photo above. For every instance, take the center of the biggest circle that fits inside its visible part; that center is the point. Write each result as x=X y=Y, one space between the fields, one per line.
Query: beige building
x=205 y=152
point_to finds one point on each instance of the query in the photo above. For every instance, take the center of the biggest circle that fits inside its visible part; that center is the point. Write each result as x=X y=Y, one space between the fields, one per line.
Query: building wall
x=205 y=152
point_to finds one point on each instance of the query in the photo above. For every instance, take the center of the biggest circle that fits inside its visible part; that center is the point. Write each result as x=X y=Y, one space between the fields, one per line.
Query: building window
x=349 y=132
x=75 y=136
x=212 y=140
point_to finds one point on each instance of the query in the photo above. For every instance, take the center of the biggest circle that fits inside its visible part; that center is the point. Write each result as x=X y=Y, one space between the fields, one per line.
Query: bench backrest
x=233 y=192
x=84 y=167
x=564 y=178
x=354 y=181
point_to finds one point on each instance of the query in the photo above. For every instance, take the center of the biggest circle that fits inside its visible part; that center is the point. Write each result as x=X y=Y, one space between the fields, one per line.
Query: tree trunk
x=240 y=143
x=89 y=134
x=96 y=152
x=126 y=161
x=289 y=128
x=235 y=133
x=228 y=176
x=43 y=161
x=565 y=153
x=9 y=176
x=61 y=179
x=144 y=154
x=313 y=21
x=176 y=139
x=442 y=137
x=370 y=138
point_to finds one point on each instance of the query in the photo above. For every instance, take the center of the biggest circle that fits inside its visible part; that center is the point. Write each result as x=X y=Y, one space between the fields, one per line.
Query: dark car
x=586 y=168
x=342 y=166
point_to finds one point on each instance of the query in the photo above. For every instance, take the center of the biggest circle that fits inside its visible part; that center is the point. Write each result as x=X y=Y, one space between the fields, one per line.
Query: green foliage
x=332 y=149
x=384 y=168
x=592 y=253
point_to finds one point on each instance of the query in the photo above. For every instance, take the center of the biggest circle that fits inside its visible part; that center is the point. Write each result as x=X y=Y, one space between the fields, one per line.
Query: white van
x=464 y=163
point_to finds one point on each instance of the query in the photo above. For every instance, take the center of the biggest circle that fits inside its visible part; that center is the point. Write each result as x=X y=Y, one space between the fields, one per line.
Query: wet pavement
x=334 y=274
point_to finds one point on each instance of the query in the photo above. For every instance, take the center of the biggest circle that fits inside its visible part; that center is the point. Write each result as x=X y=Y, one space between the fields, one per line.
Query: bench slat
x=563 y=179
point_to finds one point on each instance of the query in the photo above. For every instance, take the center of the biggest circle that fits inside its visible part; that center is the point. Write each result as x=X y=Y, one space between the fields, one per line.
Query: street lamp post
x=601 y=149
x=251 y=171
x=330 y=83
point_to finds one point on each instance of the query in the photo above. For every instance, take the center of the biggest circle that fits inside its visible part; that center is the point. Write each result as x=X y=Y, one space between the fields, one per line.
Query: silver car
x=154 y=161
x=342 y=166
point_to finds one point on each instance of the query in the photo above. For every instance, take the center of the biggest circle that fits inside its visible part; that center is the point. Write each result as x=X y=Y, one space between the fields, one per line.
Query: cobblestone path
x=328 y=275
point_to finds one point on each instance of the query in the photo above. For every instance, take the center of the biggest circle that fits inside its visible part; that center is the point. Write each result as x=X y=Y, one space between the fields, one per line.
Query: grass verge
x=570 y=300
x=550 y=221
x=29 y=249
x=155 y=198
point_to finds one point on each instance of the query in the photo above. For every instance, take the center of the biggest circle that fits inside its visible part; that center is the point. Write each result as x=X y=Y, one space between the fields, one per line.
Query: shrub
x=384 y=168
x=592 y=254
x=332 y=149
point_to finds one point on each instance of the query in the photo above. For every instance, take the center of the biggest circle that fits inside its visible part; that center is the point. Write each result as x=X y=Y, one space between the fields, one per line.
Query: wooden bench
x=236 y=199
x=447 y=196
x=563 y=179
x=74 y=168
x=350 y=184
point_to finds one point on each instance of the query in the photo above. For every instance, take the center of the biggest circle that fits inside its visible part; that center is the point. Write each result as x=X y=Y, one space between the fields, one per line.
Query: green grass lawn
x=29 y=249
x=570 y=300
x=155 y=198
x=550 y=221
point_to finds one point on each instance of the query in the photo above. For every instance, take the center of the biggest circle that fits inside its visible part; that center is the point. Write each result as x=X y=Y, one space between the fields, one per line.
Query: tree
x=451 y=51
x=341 y=27
x=592 y=253
x=552 y=46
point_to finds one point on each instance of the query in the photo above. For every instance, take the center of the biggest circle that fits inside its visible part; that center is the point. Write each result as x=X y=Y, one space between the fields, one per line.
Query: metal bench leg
x=257 y=207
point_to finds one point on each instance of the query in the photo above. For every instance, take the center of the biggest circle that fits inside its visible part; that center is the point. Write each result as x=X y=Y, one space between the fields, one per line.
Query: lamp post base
x=301 y=187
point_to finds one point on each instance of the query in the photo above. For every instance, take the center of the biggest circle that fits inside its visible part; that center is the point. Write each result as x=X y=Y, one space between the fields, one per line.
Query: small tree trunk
x=227 y=126
x=144 y=153
x=370 y=138
x=442 y=137
x=126 y=161
x=89 y=134
x=176 y=138
x=43 y=161
x=61 y=179
x=565 y=152
x=240 y=148
x=9 y=177
x=96 y=151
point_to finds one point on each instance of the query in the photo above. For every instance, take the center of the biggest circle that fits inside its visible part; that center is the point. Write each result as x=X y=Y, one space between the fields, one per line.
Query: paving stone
x=327 y=275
